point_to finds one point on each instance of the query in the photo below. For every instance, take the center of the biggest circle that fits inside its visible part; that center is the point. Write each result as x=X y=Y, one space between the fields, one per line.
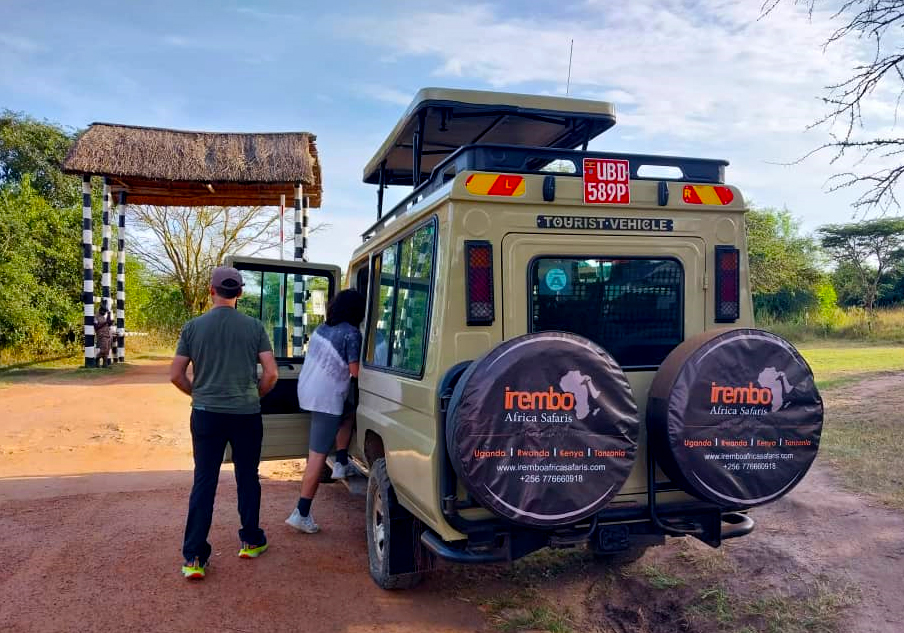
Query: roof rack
x=516 y=159
x=439 y=121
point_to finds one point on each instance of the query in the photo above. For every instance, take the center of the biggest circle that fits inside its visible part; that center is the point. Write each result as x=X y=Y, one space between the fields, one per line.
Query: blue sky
x=701 y=78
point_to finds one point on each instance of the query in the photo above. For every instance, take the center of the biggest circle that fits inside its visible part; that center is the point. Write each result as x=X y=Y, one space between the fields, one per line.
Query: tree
x=189 y=242
x=40 y=269
x=869 y=250
x=37 y=149
x=784 y=265
x=879 y=22
x=184 y=244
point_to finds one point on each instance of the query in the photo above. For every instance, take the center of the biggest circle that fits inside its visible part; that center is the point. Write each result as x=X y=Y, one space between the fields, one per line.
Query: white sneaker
x=302 y=524
x=341 y=471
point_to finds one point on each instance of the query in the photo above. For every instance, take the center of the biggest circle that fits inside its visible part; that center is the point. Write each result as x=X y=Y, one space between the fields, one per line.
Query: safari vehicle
x=558 y=349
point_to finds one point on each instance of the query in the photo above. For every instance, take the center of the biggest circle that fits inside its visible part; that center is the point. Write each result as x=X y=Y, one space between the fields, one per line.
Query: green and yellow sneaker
x=252 y=551
x=194 y=570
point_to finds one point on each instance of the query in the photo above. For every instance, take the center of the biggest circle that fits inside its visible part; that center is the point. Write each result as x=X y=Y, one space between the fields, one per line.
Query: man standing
x=224 y=347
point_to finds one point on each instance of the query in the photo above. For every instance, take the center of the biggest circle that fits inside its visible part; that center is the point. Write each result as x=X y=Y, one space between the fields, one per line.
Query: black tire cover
x=543 y=429
x=734 y=417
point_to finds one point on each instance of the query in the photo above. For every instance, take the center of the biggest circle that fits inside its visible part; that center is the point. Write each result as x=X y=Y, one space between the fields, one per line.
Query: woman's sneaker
x=341 y=471
x=194 y=570
x=302 y=524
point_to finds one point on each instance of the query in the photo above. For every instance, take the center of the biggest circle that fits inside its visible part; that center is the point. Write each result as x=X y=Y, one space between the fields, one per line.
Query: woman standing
x=331 y=362
x=103 y=322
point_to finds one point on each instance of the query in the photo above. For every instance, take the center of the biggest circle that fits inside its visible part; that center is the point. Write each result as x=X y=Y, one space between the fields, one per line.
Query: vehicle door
x=636 y=296
x=273 y=289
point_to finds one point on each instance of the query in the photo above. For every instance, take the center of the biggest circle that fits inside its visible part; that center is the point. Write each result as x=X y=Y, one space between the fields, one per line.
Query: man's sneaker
x=194 y=570
x=302 y=524
x=341 y=471
x=252 y=551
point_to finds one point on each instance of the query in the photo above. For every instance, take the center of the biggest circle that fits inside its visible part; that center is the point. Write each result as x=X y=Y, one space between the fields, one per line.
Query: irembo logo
x=770 y=394
x=524 y=406
x=739 y=395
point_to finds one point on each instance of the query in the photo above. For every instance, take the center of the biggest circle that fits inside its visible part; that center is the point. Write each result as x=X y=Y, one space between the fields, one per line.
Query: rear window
x=631 y=307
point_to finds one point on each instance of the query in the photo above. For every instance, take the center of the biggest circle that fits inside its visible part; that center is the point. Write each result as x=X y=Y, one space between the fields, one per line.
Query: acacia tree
x=878 y=22
x=184 y=244
x=869 y=249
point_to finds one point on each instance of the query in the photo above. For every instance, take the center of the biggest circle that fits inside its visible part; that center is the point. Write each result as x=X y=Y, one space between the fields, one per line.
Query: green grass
x=659 y=578
x=837 y=364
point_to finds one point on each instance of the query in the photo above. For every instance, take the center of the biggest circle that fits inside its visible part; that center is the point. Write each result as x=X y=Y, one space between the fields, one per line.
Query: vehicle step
x=356 y=484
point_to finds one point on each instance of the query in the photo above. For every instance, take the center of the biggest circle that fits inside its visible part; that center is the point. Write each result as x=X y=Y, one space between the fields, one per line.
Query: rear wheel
x=393 y=549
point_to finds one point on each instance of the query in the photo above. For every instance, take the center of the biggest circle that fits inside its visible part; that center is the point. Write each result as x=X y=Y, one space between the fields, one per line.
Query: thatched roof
x=173 y=167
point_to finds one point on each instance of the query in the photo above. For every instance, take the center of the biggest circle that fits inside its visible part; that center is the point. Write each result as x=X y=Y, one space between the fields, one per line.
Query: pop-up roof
x=439 y=121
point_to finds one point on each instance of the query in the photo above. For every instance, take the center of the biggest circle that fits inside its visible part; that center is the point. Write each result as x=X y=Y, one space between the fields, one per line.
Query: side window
x=400 y=302
x=412 y=306
x=381 y=309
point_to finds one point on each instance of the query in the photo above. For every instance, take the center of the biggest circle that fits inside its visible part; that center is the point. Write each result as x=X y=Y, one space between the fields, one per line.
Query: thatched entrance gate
x=155 y=166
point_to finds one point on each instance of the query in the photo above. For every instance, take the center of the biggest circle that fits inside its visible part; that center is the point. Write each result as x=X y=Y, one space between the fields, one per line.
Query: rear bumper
x=498 y=544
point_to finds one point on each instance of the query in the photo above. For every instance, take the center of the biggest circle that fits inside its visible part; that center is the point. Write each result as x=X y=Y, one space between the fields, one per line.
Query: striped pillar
x=88 y=267
x=121 y=280
x=300 y=317
x=105 y=255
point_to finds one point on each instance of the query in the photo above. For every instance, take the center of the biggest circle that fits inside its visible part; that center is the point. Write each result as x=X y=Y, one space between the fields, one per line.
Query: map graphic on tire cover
x=734 y=417
x=543 y=429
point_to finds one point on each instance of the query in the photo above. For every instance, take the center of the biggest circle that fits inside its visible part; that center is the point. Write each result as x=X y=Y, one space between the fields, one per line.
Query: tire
x=395 y=556
x=528 y=404
x=734 y=417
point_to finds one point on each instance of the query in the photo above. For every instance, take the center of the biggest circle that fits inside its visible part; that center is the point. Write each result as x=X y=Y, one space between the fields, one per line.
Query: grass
x=526 y=610
x=848 y=324
x=724 y=604
x=838 y=364
x=659 y=578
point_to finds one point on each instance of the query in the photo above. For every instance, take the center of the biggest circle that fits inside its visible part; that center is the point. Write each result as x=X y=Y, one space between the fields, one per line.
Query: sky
x=704 y=78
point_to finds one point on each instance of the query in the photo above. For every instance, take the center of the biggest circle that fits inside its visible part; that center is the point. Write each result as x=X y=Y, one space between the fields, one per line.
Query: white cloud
x=706 y=76
x=386 y=94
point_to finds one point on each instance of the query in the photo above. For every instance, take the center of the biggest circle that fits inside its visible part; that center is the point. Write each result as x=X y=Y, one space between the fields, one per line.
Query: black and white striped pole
x=121 y=280
x=300 y=317
x=88 y=268
x=105 y=260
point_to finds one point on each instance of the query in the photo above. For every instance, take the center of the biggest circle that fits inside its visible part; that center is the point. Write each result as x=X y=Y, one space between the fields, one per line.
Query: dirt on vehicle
x=94 y=480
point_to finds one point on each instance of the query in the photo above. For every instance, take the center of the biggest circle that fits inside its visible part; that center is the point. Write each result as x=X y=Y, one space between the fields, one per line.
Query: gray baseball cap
x=226 y=278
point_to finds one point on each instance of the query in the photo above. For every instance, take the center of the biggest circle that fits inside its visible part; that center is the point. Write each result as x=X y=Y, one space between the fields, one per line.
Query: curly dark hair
x=346 y=307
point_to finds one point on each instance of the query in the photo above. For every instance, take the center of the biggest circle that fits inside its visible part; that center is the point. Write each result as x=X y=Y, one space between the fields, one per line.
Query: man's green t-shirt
x=223 y=345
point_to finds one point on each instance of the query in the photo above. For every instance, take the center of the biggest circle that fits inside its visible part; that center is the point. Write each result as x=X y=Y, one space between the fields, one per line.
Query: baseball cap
x=226 y=278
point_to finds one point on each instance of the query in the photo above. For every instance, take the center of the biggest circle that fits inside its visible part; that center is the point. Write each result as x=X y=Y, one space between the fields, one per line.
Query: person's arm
x=269 y=373
x=353 y=353
x=178 y=374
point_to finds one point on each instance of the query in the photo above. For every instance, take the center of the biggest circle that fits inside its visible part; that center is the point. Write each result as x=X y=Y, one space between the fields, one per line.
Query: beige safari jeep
x=558 y=349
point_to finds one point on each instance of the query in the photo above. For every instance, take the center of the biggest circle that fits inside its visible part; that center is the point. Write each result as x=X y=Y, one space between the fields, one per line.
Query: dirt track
x=92 y=504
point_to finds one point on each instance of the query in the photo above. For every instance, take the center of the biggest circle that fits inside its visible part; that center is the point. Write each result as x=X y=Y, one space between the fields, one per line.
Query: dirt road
x=94 y=479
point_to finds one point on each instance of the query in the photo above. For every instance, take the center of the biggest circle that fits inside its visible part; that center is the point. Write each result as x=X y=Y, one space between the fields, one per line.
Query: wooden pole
x=121 y=280
x=88 y=270
x=105 y=261
x=300 y=316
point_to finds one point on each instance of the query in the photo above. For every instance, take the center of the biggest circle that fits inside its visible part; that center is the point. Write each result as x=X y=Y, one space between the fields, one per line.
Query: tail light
x=479 y=260
x=728 y=284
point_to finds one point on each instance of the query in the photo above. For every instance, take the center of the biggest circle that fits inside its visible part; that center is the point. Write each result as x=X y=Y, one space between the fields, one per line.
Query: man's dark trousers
x=210 y=432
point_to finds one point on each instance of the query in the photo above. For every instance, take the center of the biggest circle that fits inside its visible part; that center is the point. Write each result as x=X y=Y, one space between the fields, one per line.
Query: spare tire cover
x=543 y=429
x=734 y=417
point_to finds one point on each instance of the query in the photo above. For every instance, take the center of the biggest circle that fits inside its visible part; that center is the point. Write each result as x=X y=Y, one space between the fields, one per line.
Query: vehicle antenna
x=568 y=81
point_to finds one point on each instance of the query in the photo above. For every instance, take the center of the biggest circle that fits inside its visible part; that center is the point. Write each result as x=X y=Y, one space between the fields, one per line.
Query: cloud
x=707 y=77
x=385 y=94
x=19 y=44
